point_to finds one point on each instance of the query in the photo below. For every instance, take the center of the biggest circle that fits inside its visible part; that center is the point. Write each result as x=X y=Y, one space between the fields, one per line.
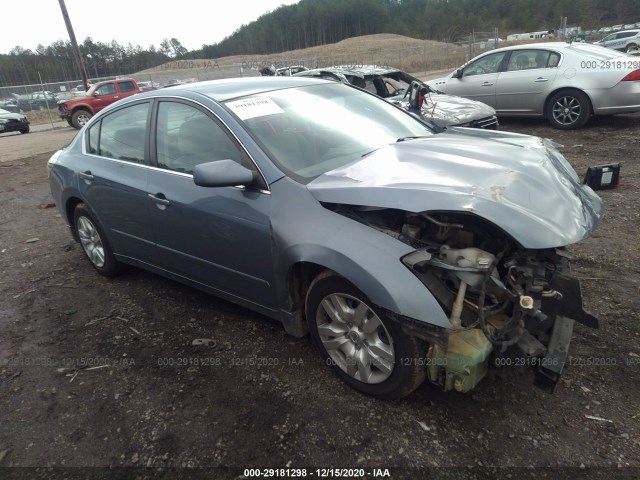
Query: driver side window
x=187 y=137
x=108 y=89
x=487 y=64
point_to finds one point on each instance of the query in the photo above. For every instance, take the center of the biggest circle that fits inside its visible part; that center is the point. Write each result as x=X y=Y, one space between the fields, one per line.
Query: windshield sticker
x=254 y=107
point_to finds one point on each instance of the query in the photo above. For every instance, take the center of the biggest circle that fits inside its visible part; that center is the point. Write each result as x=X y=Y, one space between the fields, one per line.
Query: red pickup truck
x=78 y=110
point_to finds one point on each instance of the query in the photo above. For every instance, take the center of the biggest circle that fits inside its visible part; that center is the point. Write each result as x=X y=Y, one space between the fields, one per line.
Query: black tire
x=630 y=47
x=568 y=110
x=80 y=118
x=397 y=375
x=70 y=122
x=25 y=130
x=91 y=236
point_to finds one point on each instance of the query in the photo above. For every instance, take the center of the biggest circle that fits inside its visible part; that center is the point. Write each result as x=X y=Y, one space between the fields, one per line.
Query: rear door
x=127 y=88
x=113 y=179
x=526 y=81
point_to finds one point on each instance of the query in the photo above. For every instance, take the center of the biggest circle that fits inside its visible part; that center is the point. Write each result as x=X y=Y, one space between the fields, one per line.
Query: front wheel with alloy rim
x=366 y=349
x=94 y=243
x=568 y=110
x=80 y=118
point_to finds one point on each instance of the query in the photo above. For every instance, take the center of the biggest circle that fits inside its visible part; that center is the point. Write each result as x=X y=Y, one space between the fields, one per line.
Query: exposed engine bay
x=501 y=299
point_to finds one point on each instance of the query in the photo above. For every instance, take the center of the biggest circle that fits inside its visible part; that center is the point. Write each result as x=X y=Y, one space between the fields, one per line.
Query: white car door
x=526 y=82
x=477 y=80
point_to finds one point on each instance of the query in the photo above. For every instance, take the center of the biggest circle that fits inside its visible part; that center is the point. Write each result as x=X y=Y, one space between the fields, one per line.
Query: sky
x=144 y=23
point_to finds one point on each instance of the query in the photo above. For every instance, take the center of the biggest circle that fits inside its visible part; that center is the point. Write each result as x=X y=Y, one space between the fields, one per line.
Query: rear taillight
x=633 y=76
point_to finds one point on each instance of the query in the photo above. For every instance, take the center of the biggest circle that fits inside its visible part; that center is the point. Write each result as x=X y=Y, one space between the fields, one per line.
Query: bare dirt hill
x=402 y=52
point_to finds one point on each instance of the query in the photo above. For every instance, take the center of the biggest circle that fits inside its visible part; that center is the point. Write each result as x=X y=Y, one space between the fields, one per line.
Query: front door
x=478 y=80
x=104 y=96
x=219 y=237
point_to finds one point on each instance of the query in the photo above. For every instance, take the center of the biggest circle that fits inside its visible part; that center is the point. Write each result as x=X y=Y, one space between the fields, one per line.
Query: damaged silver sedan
x=405 y=254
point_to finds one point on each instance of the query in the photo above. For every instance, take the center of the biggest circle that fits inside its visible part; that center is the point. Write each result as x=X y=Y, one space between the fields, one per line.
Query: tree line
x=317 y=22
x=55 y=62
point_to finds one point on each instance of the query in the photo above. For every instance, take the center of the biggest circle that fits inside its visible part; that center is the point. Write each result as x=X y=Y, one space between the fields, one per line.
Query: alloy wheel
x=567 y=110
x=355 y=338
x=91 y=241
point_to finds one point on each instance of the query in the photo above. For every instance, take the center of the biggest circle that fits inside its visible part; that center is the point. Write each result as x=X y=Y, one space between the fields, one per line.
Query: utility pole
x=74 y=45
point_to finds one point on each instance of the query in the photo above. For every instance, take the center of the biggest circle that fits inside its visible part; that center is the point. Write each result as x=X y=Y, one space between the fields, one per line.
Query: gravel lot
x=103 y=373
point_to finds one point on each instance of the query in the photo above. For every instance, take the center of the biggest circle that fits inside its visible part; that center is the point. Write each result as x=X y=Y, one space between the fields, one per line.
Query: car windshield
x=596 y=51
x=314 y=129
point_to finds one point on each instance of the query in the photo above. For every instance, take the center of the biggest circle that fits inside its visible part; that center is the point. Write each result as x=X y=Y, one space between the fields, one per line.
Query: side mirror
x=457 y=73
x=222 y=173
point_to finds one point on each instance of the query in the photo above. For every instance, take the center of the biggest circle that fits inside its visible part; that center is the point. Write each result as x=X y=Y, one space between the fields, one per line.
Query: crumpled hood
x=520 y=183
x=451 y=109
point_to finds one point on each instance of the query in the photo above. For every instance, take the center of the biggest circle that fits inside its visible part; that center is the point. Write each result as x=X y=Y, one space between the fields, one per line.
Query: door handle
x=116 y=96
x=487 y=84
x=86 y=175
x=541 y=79
x=159 y=198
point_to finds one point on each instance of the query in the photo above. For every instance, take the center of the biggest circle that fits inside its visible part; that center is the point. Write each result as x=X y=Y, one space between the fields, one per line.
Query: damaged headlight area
x=503 y=301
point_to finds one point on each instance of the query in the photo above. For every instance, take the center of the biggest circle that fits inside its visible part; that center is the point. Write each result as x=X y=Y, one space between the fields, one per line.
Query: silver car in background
x=566 y=83
x=625 y=41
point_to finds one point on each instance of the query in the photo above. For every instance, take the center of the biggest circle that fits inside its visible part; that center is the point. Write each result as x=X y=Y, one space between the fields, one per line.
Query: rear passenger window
x=126 y=87
x=122 y=134
x=94 y=135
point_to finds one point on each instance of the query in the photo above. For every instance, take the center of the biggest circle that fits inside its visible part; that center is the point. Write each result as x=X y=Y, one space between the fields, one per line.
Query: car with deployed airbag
x=395 y=85
x=404 y=253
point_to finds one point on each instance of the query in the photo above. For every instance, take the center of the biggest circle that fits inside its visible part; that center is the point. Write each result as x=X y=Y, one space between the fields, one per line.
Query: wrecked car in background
x=393 y=85
x=405 y=254
x=269 y=71
x=13 y=122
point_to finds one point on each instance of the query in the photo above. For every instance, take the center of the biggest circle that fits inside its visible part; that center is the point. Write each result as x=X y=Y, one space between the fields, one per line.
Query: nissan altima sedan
x=566 y=83
x=405 y=254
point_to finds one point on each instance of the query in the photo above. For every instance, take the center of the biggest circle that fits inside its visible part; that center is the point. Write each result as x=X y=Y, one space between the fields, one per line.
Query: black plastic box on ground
x=601 y=177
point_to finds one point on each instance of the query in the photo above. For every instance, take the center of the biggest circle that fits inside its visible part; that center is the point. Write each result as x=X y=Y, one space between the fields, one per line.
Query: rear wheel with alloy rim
x=568 y=110
x=94 y=243
x=366 y=349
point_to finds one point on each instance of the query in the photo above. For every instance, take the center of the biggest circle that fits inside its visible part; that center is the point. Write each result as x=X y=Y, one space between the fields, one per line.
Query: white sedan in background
x=566 y=83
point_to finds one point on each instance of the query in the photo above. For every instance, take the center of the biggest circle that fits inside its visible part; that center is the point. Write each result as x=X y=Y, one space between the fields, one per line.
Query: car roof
x=557 y=46
x=228 y=88
x=528 y=46
x=358 y=70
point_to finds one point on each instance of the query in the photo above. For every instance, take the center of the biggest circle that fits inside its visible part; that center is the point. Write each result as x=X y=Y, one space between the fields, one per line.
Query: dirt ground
x=104 y=373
